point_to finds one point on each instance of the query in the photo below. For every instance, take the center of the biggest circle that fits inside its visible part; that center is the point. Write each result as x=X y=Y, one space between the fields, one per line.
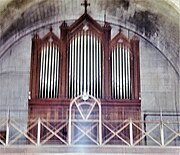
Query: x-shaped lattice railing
x=86 y=131
x=3 y=123
x=13 y=124
x=161 y=128
x=115 y=131
x=146 y=133
x=171 y=137
x=161 y=133
x=53 y=131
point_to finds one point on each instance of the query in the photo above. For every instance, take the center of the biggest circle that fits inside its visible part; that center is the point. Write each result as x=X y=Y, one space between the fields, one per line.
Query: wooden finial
x=105 y=16
x=120 y=29
x=51 y=29
x=85 y=4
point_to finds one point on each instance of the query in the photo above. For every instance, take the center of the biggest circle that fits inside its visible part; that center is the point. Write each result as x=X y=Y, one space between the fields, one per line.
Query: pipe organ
x=85 y=59
x=85 y=63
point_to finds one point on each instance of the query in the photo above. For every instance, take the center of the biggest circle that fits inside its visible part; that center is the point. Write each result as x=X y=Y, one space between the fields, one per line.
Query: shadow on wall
x=146 y=22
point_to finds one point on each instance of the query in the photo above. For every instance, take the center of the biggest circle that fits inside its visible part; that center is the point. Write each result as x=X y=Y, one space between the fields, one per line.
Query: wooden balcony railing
x=155 y=130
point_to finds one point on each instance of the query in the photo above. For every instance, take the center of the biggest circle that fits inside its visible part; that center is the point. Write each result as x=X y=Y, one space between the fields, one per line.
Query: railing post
x=145 y=138
x=7 y=132
x=39 y=131
x=100 y=126
x=69 y=127
x=161 y=129
x=162 y=133
x=131 y=131
x=7 y=127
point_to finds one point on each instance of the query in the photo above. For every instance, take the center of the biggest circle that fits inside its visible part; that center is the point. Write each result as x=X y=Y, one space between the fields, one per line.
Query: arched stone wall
x=155 y=22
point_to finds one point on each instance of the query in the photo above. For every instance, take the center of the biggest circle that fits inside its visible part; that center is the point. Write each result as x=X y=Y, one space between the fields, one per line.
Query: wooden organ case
x=84 y=60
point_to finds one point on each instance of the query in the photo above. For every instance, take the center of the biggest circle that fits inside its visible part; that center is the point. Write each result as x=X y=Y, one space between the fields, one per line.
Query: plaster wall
x=156 y=20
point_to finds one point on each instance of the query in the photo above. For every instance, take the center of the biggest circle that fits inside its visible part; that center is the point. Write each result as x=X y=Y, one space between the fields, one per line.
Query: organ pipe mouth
x=85 y=96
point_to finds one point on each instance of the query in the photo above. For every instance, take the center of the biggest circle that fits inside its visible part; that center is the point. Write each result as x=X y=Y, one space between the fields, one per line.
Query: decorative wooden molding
x=36 y=42
x=135 y=68
x=120 y=37
x=106 y=62
x=64 y=61
x=85 y=19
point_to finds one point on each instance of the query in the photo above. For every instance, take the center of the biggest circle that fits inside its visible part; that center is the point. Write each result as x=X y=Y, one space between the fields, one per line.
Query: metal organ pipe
x=49 y=71
x=112 y=74
x=52 y=70
x=123 y=73
x=72 y=80
x=58 y=70
x=120 y=78
x=46 y=64
x=126 y=86
x=92 y=64
x=81 y=62
x=55 y=70
x=75 y=66
x=85 y=64
x=95 y=67
x=117 y=72
x=78 y=63
x=99 y=74
x=88 y=62
x=129 y=79
x=70 y=68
